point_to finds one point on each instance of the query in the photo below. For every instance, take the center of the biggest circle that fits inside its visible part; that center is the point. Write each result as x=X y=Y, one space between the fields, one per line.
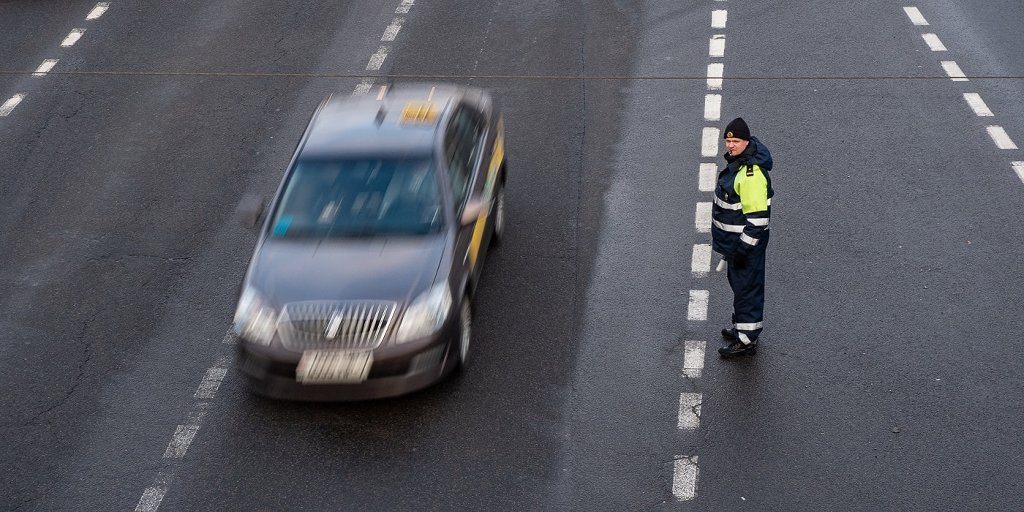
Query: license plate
x=333 y=367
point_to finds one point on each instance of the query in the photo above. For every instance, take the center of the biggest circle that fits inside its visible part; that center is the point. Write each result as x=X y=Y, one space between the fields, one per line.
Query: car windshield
x=344 y=198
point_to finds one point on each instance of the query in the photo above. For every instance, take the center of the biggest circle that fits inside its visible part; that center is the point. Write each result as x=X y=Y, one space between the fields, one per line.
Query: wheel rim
x=465 y=331
x=499 y=214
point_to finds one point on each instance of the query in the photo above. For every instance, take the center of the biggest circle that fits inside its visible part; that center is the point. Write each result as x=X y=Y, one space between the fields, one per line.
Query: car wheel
x=465 y=331
x=499 y=217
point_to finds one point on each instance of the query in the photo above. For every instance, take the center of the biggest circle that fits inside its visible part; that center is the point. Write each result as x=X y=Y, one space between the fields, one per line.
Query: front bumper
x=396 y=370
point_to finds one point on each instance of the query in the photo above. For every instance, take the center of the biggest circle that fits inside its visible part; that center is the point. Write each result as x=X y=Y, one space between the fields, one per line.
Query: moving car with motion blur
x=361 y=281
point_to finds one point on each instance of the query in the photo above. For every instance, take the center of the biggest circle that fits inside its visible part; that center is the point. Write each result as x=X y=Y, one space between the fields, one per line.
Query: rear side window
x=460 y=144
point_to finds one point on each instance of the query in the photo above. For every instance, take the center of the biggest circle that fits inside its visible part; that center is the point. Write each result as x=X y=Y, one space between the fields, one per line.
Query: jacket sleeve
x=753 y=191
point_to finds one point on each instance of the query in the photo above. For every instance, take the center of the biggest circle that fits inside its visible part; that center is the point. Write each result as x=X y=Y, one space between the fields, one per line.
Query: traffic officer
x=739 y=231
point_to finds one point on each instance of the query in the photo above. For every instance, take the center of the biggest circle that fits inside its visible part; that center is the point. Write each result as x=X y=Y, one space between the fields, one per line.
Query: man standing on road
x=739 y=232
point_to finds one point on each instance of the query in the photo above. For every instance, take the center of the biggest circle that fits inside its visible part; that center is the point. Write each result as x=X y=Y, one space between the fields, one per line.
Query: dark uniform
x=739 y=232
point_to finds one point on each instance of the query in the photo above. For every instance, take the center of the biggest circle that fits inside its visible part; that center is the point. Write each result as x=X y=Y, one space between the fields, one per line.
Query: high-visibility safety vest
x=742 y=207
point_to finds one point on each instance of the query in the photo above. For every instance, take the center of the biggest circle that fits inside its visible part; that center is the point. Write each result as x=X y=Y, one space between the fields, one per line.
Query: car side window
x=460 y=148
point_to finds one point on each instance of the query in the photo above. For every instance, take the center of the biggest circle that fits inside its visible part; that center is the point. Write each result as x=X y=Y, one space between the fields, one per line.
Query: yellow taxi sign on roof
x=418 y=112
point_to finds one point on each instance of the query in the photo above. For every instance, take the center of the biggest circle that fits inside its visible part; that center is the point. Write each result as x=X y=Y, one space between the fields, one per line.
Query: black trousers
x=746 y=278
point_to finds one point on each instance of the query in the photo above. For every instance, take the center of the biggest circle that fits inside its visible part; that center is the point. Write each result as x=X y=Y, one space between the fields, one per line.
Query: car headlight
x=426 y=314
x=255 y=319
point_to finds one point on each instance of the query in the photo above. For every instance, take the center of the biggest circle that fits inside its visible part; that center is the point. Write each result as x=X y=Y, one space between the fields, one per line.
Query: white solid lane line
x=954 y=71
x=715 y=72
x=933 y=42
x=707 y=177
x=693 y=359
x=718 y=18
x=716 y=46
x=392 y=30
x=45 y=67
x=377 y=59
x=404 y=7
x=98 y=11
x=977 y=104
x=709 y=141
x=689 y=411
x=700 y=262
x=712 y=107
x=702 y=217
x=684 y=478
x=73 y=37
x=698 y=307
x=1000 y=137
x=1018 y=167
x=8 y=106
x=915 y=16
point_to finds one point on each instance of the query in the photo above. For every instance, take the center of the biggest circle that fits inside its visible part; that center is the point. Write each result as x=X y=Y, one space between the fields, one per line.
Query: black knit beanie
x=737 y=129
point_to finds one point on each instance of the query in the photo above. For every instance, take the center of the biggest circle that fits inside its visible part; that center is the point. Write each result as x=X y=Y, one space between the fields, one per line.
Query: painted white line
x=45 y=67
x=1018 y=167
x=933 y=42
x=684 y=478
x=184 y=434
x=211 y=382
x=689 y=411
x=1000 y=137
x=977 y=104
x=712 y=107
x=708 y=173
x=693 y=359
x=98 y=11
x=702 y=217
x=698 y=307
x=363 y=88
x=718 y=18
x=715 y=72
x=915 y=16
x=377 y=59
x=392 y=30
x=716 y=47
x=151 y=498
x=8 y=106
x=404 y=7
x=700 y=262
x=954 y=71
x=709 y=141
x=73 y=37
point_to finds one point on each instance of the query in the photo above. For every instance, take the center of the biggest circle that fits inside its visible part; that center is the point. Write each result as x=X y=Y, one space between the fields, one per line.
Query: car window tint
x=461 y=143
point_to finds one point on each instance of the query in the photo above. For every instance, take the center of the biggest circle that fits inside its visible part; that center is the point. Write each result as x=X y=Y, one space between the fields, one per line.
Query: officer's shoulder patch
x=750 y=170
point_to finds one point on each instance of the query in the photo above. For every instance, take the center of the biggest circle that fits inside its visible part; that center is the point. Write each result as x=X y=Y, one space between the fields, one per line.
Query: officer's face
x=735 y=146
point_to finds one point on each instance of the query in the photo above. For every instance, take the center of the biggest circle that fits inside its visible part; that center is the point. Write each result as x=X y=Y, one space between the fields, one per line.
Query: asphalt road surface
x=889 y=375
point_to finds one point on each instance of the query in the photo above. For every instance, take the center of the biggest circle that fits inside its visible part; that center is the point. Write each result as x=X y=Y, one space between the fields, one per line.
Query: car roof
x=399 y=121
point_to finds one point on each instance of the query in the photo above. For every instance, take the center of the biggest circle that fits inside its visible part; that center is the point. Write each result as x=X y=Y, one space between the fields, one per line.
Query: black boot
x=738 y=348
x=730 y=334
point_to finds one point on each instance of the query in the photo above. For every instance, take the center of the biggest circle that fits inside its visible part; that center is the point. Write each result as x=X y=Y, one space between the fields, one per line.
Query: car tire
x=465 y=331
x=499 y=217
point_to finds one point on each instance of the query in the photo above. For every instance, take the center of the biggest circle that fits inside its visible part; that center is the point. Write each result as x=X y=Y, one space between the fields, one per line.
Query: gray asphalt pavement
x=888 y=376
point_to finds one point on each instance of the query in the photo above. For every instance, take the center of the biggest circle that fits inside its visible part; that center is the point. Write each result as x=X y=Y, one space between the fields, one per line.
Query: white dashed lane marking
x=72 y=37
x=1000 y=137
x=718 y=18
x=1018 y=167
x=702 y=217
x=689 y=411
x=45 y=67
x=184 y=434
x=8 y=106
x=697 y=309
x=377 y=59
x=404 y=7
x=977 y=104
x=933 y=42
x=715 y=72
x=98 y=11
x=915 y=16
x=693 y=359
x=392 y=30
x=700 y=262
x=684 y=478
x=154 y=494
x=709 y=141
x=716 y=47
x=954 y=71
x=712 y=107
x=708 y=172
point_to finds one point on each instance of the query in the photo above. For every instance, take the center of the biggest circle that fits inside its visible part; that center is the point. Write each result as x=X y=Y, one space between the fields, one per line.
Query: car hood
x=395 y=269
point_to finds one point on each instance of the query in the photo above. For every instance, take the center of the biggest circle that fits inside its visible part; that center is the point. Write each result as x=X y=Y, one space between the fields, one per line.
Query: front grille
x=335 y=325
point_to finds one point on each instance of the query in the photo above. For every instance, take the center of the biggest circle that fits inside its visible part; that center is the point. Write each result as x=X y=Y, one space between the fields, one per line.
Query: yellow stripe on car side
x=497 y=156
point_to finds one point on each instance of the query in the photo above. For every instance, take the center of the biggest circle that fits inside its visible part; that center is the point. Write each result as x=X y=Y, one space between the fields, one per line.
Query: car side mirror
x=249 y=210
x=473 y=210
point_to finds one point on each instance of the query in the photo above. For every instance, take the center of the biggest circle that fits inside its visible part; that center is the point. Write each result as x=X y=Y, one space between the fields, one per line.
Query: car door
x=463 y=156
